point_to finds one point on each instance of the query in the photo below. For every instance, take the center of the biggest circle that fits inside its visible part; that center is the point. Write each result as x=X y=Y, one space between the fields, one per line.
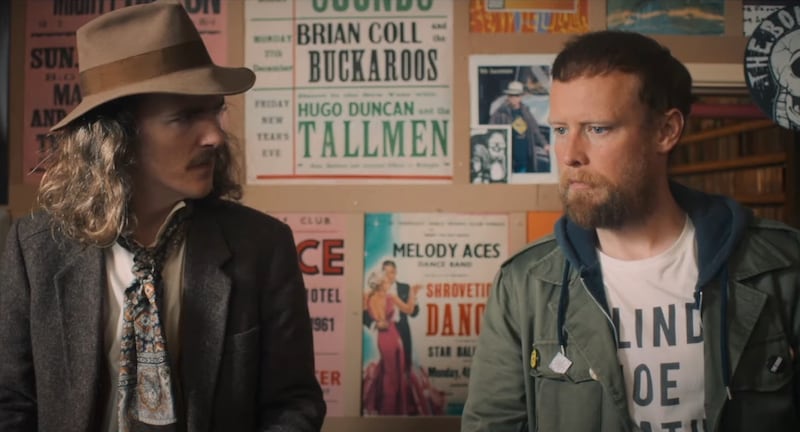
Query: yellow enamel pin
x=534 y=358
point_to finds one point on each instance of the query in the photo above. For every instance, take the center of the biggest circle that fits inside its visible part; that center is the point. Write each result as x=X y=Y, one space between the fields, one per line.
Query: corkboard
x=354 y=201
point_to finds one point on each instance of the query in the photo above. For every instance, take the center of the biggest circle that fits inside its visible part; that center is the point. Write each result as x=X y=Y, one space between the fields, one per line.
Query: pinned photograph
x=489 y=154
x=514 y=91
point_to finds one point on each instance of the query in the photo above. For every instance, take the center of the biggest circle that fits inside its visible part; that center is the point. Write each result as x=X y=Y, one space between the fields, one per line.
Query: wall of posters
x=320 y=248
x=514 y=90
x=51 y=69
x=416 y=359
x=349 y=92
x=529 y=16
x=685 y=17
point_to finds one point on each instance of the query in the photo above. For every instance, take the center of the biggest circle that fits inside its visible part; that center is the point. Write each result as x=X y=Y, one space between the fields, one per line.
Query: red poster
x=320 y=249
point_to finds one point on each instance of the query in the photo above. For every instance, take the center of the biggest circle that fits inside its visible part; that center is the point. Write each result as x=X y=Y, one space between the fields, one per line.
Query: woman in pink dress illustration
x=387 y=388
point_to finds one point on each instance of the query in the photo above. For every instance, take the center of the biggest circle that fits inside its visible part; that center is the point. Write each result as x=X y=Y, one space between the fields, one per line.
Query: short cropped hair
x=665 y=81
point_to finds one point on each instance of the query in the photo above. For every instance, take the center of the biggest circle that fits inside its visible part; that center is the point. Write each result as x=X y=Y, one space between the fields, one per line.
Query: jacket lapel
x=206 y=289
x=80 y=292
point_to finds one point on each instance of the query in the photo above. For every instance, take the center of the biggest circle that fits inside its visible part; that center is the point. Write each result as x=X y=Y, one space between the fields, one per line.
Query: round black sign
x=772 y=66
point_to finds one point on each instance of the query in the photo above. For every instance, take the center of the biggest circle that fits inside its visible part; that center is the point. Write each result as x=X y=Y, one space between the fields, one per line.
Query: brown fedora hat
x=148 y=48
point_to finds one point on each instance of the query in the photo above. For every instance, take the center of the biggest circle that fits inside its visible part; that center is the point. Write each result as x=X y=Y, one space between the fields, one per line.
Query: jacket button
x=592 y=374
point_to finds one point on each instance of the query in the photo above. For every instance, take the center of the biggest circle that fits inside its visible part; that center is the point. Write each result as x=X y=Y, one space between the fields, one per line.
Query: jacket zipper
x=613 y=327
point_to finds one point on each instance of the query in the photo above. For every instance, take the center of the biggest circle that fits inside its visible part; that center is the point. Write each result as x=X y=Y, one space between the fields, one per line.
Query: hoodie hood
x=719 y=225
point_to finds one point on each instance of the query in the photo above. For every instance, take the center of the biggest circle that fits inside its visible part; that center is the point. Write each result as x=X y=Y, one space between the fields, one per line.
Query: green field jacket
x=761 y=324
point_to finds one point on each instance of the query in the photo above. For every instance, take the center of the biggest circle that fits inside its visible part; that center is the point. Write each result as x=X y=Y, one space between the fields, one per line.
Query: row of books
x=730 y=148
x=739 y=182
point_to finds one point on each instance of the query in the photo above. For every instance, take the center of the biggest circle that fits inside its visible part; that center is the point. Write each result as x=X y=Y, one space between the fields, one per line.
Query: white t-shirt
x=660 y=333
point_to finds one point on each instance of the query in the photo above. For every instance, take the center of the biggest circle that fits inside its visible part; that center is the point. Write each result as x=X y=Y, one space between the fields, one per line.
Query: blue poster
x=679 y=17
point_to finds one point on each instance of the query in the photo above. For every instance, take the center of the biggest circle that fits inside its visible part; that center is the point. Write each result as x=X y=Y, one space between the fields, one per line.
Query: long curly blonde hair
x=87 y=184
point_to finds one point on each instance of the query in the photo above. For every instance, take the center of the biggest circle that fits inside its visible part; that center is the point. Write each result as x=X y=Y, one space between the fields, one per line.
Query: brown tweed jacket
x=247 y=361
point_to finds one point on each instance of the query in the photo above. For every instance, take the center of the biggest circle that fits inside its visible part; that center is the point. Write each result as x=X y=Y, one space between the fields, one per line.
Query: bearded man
x=653 y=307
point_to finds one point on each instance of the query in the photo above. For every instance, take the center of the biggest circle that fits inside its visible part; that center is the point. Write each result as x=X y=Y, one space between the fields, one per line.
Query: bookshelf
x=733 y=149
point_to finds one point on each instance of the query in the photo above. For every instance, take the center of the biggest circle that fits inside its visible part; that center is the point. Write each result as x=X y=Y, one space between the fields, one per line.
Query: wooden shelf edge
x=777 y=198
x=726 y=130
x=724 y=110
x=727 y=164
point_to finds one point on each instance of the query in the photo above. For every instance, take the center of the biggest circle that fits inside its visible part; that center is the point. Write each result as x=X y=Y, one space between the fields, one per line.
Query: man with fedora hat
x=529 y=147
x=142 y=296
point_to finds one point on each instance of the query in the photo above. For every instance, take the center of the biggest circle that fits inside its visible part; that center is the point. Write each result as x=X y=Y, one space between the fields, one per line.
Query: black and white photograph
x=489 y=154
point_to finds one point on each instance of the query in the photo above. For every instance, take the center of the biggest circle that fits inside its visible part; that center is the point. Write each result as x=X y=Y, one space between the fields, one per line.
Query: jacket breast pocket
x=765 y=365
x=243 y=341
x=555 y=391
x=763 y=387
x=546 y=351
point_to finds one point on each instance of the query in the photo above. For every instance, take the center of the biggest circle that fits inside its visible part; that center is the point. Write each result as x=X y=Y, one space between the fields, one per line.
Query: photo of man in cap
x=530 y=151
x=142 y=296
